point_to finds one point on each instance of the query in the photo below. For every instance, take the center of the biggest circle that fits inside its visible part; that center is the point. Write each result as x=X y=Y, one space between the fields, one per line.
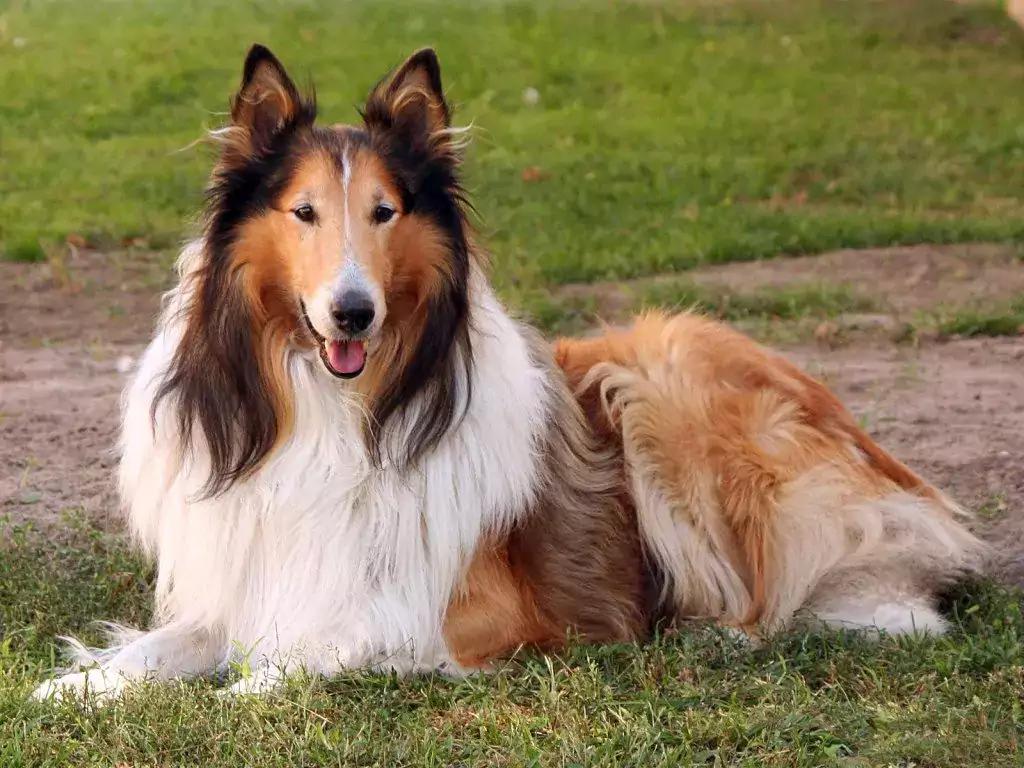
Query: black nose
x=353 y=312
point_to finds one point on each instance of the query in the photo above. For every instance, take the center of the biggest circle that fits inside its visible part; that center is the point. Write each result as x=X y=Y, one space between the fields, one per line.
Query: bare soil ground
x=952 y=409
x=68 y=331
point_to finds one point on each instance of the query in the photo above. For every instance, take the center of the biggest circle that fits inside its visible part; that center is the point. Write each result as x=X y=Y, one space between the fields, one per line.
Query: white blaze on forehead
x=346 y=179
x=352 y=274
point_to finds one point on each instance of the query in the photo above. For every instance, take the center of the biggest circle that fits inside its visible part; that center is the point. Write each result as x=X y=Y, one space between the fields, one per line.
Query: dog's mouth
x=345 y=358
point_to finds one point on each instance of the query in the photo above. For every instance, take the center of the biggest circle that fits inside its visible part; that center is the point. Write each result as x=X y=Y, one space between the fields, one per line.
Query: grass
x=1006 y=321
x=692 y=697
x=574 y=312
x=793 y=302
x=666 y=134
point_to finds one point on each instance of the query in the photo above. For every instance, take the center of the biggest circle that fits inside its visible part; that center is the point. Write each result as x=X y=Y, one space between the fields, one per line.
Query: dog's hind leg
x=891 y=614
x=163 y=654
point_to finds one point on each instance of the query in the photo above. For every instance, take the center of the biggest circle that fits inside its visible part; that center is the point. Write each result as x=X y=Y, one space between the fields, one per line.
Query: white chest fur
x=319 y=550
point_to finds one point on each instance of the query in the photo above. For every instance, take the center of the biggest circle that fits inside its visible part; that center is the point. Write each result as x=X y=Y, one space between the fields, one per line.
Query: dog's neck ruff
x=319 y=544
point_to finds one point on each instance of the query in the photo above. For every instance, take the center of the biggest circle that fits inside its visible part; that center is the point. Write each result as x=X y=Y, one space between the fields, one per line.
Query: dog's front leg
x=167 y=653
x=266 y=667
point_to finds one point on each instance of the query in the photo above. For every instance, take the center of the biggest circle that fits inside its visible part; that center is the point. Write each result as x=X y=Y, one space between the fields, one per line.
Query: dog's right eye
x=382 y=214
x=305 y=213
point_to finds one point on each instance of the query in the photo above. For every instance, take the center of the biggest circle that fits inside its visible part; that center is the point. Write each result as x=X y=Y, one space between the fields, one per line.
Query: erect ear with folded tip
x=267 y=104
x=409 y=105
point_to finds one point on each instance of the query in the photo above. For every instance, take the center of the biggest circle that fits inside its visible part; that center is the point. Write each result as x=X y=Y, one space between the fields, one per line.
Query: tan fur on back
x=755 y=489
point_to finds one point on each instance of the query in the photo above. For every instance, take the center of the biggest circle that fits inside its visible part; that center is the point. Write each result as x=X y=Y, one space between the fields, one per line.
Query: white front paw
x=97 y=685
x=262 y=680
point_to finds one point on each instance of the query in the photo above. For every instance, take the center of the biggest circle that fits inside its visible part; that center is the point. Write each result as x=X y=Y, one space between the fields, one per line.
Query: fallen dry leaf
x=533 y=173
x=826 y=332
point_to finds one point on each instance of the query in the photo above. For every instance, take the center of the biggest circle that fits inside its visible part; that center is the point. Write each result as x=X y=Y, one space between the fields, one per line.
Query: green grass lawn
x=696 y=697
x=666 y=135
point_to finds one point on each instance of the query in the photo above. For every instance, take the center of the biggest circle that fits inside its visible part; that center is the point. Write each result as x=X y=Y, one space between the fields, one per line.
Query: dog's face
x=347 y=239
x=342 y=228
x=339 y=242
x=339 y=238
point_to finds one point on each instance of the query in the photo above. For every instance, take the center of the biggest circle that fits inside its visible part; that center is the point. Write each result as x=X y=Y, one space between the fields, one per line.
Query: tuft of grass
x=557 y=316
x=692 y=696
x=993 y=508
x=25 y=249
x=575 y=312
x=791 y=302
x=1006 y=322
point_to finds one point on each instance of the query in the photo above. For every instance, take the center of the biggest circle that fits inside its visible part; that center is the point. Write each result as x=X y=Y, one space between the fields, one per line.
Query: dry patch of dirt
x=82 y=299
x=68 y=333
x=953 y=410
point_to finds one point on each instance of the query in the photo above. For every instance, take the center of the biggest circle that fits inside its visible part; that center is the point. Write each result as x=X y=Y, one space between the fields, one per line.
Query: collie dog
x=343 y=452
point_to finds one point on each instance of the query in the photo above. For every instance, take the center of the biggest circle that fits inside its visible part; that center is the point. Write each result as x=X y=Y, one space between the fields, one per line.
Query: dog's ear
x=266 y=105
x=409 y=106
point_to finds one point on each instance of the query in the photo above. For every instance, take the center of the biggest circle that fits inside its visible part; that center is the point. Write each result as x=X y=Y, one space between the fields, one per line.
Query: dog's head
x=350 y=240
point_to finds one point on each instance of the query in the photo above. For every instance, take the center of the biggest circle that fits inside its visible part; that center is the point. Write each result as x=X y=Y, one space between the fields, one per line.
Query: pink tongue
x=347 y=356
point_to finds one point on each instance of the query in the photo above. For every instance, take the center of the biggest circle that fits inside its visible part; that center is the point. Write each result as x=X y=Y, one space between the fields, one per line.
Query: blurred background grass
x=664 y=135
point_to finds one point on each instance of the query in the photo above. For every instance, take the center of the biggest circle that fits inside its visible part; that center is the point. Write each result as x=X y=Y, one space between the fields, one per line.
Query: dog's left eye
x=383 y=214
x=305 y=213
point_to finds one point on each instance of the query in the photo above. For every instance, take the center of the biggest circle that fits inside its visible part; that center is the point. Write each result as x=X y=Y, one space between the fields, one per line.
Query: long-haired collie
x=343 y=451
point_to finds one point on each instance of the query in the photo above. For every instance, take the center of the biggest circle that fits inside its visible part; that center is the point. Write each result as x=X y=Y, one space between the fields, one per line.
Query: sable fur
x=574 y=566
x=757 y=494
x=239 y=407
